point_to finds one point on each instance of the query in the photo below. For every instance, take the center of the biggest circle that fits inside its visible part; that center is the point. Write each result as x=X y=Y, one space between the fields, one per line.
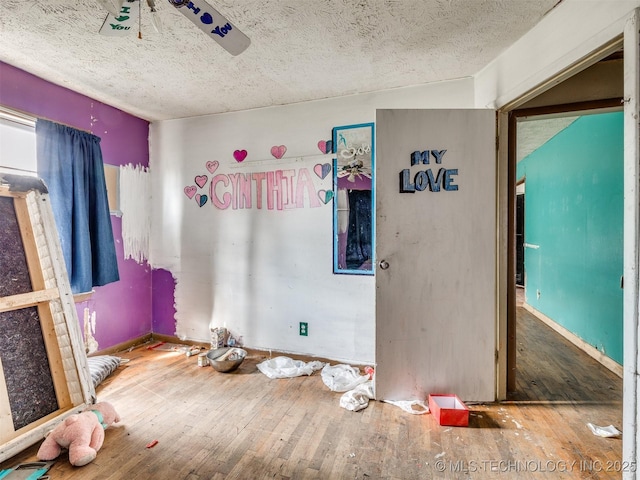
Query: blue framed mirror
x=354 y=199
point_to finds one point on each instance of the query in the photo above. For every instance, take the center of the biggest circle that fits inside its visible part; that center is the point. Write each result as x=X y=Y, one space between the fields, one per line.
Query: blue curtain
x=70 y=163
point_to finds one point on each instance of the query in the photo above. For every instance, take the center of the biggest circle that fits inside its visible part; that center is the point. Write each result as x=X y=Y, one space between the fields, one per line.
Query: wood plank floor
x=243 y=425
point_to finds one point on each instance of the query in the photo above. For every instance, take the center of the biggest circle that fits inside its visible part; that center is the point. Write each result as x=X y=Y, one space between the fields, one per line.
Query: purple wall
x=123 y=309
x=164 y=309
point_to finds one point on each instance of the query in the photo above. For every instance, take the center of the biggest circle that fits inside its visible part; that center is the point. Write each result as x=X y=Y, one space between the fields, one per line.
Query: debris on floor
x=415 y=407
x=219 y=337
x=358 y=398
x=169 y=347
x=608 y=432
x=193 y=350
x=285 y=367
x=203 y=360
x=342 y=378
x=27 y=471
x=358 y=389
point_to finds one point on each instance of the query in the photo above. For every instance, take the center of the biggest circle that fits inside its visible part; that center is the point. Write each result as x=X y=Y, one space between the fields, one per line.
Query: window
x=17 y=143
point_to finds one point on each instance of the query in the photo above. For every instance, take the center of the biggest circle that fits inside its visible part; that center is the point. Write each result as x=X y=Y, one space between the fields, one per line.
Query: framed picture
x=354 y=200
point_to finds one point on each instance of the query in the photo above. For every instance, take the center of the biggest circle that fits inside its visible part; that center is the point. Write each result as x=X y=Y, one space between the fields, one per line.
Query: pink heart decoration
x=278 y=151
x=322 y=170
x=325 y=146
x=201 y=180
x=212 y=166
x=190 y=191
x=240 y=155
x=325 y=195
x=201 y=199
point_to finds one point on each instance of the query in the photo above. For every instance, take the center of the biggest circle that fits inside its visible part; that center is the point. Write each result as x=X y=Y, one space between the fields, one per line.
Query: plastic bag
x=415 y=407
x=285 y=367
x=342 y=378
x=358 y=398
x=609 y=431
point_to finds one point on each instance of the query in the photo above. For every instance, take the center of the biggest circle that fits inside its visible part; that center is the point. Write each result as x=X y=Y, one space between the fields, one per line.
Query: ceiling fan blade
x=215 y=25
x=112 y=6
x=124 y=22
x=156 y=21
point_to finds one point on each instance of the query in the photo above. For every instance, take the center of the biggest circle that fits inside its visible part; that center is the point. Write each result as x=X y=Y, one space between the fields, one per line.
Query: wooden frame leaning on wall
x=44 y=376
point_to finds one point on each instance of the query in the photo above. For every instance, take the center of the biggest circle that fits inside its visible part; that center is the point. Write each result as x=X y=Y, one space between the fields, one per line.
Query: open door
x=436 y=247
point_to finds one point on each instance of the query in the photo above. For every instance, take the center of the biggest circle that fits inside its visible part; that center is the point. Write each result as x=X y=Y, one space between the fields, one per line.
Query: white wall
x=260 y=272
x=257 y=271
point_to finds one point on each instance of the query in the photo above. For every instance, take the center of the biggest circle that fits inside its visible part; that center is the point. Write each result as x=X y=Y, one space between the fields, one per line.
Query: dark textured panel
x=26 y=367
x=14 y=273
x=27 y=373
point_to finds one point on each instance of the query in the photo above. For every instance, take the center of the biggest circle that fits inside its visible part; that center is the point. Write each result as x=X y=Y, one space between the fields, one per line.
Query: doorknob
x=384 y=264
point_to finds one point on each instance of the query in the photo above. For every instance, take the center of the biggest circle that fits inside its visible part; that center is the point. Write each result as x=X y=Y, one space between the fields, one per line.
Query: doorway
x=597 y=88
x=572 y=247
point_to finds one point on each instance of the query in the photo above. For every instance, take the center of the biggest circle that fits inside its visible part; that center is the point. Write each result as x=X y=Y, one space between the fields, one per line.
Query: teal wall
x=574 y=213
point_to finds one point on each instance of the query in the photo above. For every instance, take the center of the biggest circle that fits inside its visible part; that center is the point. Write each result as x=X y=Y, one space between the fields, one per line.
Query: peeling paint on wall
x=135 y=204
x=164 y=308
x=90 y=343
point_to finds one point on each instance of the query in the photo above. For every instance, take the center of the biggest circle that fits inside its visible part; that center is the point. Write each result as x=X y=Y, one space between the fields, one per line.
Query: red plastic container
x=449 y=410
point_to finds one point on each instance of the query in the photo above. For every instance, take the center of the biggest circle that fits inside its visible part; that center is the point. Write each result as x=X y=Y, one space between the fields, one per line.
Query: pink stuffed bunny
x=81 y=433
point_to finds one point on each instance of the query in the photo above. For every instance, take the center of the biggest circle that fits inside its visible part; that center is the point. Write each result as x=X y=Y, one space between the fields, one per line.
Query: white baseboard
x=590 y=350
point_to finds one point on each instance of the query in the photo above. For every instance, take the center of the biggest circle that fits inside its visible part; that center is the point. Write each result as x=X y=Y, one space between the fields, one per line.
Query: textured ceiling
x=301 y=50
x=535 y=132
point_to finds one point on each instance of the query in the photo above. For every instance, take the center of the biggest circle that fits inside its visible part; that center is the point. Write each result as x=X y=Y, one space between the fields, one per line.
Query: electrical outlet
x=304 y=329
